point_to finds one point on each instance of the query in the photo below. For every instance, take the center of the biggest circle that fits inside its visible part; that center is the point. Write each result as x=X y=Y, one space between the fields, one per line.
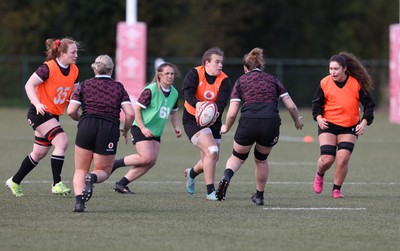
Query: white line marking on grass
x=237 y=182
x=315 y=208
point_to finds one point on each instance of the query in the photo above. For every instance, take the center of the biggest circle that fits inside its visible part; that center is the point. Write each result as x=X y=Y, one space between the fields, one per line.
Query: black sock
x=94 y=178
x=228 y=173
x=320 y=174
x=210 y=188
x=27 y=166
x=259 y=194
x=117 y=164
x=57 y=163
x=192 y=173
x=123 y=182
x=79 y=198
x=336 y=187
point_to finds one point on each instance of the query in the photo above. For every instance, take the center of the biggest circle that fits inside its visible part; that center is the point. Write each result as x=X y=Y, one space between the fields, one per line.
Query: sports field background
x=162 y=216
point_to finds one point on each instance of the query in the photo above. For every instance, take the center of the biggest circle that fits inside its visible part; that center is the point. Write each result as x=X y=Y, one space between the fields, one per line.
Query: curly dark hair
x=354 y=69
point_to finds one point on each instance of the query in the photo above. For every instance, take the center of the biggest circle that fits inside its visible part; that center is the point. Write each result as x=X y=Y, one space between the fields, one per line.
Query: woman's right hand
x=322 y=122
x=40 y=108
x=146 y=132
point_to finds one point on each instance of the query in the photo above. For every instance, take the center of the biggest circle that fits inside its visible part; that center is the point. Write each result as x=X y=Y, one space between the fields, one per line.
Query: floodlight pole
x=131 y=11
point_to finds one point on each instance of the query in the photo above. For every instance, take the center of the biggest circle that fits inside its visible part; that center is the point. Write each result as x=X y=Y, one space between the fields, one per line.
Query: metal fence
x=300 y=76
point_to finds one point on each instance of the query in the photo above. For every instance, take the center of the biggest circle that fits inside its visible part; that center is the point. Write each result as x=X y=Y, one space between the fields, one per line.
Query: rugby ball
x=206 y=114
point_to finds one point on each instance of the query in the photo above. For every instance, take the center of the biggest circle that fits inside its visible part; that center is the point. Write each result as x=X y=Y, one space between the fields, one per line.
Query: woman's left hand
x=125 y=134
x=178 y=132
x=360 y=129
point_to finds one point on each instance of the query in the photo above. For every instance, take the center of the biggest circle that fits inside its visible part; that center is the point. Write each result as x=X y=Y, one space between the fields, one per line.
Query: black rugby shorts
x=35 y=120
x=336 y=129
x=264 y=131
x=98 y=135
x=137 y=135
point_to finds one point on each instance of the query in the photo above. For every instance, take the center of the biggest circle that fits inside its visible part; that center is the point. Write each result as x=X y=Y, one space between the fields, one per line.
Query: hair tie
x=57 y=43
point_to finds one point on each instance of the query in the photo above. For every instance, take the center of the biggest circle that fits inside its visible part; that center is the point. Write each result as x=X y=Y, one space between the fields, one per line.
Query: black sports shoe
x=79 y=207
x=122 y=189
x=221 y=192
x=257 y=200
x=88 y=189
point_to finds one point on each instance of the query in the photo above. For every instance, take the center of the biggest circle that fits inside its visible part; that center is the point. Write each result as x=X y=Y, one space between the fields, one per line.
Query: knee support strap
x=260 y=156
x=195 y=138
x=346 y=145
x=42 y=141
x=213 y=149
x=242 y=156
x=50 y=135
x=328 y=150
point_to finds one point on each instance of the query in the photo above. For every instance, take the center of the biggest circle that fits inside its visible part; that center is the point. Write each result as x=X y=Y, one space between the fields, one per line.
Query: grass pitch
x=162 y=216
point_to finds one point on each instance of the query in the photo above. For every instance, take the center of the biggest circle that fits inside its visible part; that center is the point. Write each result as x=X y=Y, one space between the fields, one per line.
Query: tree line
x=185 y=28
x=285 y=29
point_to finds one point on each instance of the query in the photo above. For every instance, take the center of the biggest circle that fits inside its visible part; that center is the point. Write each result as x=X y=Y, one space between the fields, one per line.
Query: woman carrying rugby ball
x=205 y=83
